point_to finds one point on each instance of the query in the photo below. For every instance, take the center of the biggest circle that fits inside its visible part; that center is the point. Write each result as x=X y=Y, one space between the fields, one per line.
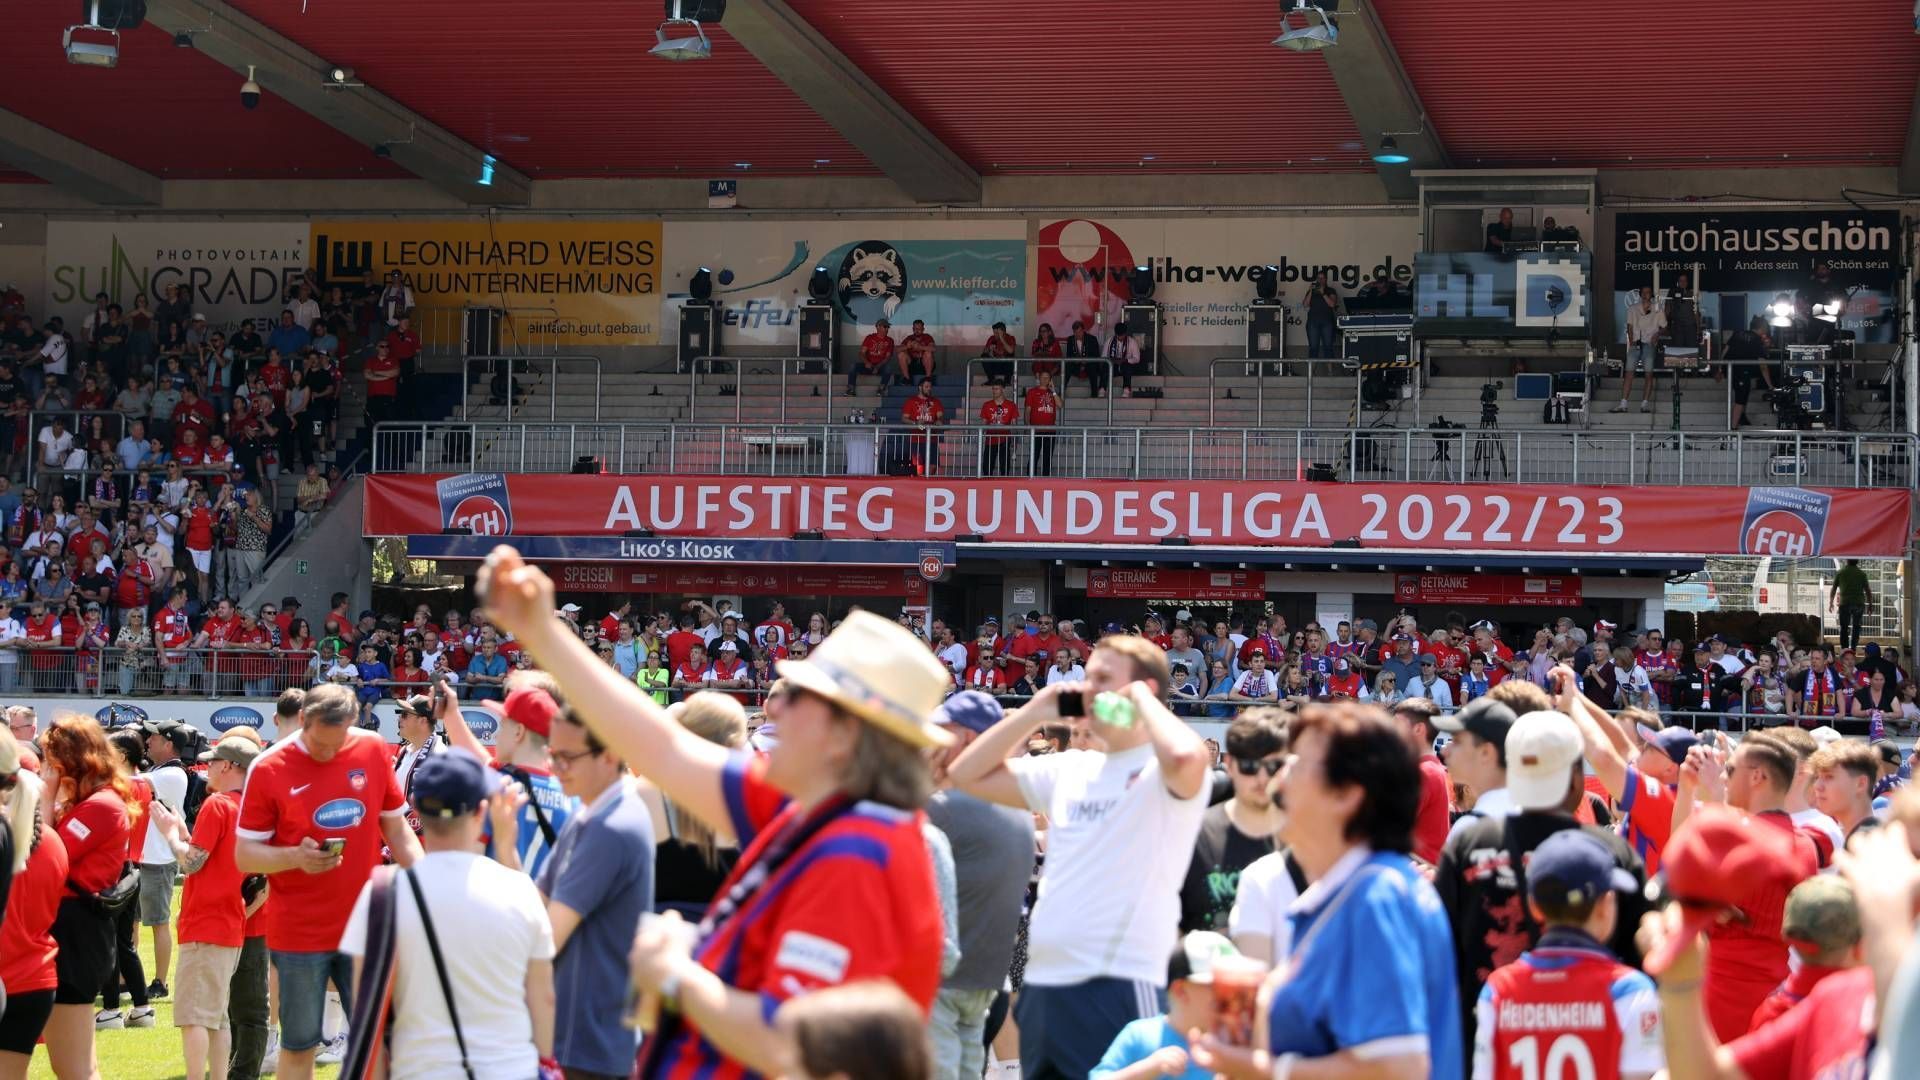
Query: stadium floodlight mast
x=682 y=36
x=1321 y=31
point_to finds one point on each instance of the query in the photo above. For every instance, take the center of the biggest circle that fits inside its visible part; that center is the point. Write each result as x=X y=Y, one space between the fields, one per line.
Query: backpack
x=196 y=789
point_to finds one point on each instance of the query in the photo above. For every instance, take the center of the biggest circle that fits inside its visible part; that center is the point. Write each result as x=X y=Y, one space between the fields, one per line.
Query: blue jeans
x=1322 y=339
x=303 y=994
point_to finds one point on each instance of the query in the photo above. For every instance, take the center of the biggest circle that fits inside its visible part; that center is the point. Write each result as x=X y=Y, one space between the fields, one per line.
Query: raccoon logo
x=873 y=282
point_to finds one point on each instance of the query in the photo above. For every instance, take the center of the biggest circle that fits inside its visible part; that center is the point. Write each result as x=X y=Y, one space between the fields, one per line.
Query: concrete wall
x=334 y=556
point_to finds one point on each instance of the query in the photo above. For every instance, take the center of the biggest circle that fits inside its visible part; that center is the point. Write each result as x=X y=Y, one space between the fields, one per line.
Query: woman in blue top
x=1367 y=990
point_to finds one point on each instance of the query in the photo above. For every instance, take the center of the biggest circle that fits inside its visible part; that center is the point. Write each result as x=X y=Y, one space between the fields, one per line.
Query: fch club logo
x=477 y=501
x=1785 y=521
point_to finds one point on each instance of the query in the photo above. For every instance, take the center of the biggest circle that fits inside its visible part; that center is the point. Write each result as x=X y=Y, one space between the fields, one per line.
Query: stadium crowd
x=890 y=872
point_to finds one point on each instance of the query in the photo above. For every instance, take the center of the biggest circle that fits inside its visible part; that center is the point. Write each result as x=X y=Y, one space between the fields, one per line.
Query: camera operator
x=1753 y=345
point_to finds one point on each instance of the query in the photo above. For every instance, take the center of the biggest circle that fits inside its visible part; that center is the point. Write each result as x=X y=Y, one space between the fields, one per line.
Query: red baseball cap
x=1723 y=860
x=530 y=707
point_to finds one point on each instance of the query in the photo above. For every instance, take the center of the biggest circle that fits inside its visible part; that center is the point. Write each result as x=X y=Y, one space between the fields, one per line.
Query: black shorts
x=87 y=950
x=24 y=1019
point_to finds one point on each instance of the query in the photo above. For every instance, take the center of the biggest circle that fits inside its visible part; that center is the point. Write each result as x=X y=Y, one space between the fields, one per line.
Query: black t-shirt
x=1213 y=877
x=246 y=341
x=9 y=389
x=1501 y=233
x=1485 y=895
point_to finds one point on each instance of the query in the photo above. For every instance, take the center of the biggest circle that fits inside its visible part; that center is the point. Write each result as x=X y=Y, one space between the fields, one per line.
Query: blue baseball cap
x=1673 y=742
x=449 y=784
x=1571 y=867
x=1113 y=628
x=969 y=709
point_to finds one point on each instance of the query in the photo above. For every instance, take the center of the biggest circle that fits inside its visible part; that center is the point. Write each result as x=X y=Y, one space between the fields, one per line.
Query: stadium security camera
x=249 y=91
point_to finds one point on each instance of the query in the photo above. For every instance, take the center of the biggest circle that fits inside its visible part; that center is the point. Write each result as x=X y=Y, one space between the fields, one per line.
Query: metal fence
x=1383 y=455
x=479 y=375
x=154 y=672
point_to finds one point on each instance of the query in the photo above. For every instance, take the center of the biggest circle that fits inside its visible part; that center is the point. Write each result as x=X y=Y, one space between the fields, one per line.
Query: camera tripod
x=1487 y=447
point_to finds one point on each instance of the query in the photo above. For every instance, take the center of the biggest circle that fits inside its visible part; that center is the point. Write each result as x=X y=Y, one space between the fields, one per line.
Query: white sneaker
x=270 y=1061
x=141 y=1017
x=1621 y=407
x=108 y=1020
x=1646 y=406
x=335 y=1051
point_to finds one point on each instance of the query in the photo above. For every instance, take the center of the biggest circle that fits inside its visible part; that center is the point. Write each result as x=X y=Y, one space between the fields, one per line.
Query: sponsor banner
x=1203 y=267
x=1747 y=260
x=1507 y=590
x=680 y=549
x=572 y=512
x=233 y=270
x=1475 y=294
x=744 y=580
x=1155 y=584
x=217 y=716
x=958 y=277
x=568 y=282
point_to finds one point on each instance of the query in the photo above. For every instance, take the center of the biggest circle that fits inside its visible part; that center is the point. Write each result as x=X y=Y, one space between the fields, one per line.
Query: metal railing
x=113 y=426
x=1064 y=367
x=486 y=367
x=232 y=672
x=524 y=331
x=733 y=371
x=1380 y=455
x=1261 y=371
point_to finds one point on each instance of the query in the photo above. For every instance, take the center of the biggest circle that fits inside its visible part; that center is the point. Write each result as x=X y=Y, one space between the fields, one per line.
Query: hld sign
x=1472 y=293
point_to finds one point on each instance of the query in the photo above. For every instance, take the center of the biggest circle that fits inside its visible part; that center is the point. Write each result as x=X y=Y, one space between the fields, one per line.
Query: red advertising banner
x=1589 y=521
x=1156 y=584
x=1507 y=590
x=745 y=580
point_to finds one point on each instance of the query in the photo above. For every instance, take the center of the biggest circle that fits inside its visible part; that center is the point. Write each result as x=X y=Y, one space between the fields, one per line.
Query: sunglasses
x=1256 y=766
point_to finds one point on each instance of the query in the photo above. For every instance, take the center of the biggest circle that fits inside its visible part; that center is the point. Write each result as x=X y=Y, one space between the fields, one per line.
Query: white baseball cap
x=1542 y=748
x=570 y=607
x=1825 y=735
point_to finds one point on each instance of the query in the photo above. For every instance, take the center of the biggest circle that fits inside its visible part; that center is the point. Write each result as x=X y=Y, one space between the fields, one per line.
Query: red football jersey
x=855 y=901
x=290 y=796
x=1566 y=1011
x=1043 y=407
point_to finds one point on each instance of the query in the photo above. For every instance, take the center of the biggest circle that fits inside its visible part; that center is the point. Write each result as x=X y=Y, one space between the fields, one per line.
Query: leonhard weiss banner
x=568 y=282
x=1783 y=521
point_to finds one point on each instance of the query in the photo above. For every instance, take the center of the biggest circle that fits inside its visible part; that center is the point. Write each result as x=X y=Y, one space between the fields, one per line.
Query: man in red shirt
x=610 y=623
x=193 y=412
x=1043 y=411
x=254 y=665
x=189 y=451
x=314 y=816
x=216 y=633
x=1646 y=790
x=876 y=358
x=694 y=672
x=916 y=350
x=1436 y=791
x=924 y=411
x=173 y=634
x=383 y=383
x=1717 y=862
x=44 y=633
x=404 y=345
x=998 y=412
x=682 y=642
x=213 y=914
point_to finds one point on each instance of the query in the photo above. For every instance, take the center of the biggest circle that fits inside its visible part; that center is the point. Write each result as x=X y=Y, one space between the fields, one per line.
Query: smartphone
x=1072 y=703
x=334 y=844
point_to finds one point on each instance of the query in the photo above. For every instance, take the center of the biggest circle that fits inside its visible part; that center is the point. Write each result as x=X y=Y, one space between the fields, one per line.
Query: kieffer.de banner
x=1782 y=521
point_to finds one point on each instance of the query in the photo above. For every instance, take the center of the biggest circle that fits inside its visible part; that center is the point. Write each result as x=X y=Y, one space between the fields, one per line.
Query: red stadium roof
x=566 y=89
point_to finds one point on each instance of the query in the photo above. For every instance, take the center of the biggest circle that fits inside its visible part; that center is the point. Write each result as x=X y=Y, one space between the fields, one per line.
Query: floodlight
x=1312 y=37
x=101 y=51
x=1390 y=152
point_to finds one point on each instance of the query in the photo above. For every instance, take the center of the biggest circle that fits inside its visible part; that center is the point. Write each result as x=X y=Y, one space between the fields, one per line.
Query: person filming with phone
x=314 y=815
x=1122 y=826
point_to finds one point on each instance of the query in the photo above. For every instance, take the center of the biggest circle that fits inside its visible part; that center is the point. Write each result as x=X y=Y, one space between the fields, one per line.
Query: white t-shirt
x=1260 y=906
x=955 y=657
x=11 y=633
x=170 y=787
x=472 y=899
x=54 y=354
x=54 y=448
x=340 y=672
x=1118 y=845
x=1074 y=673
